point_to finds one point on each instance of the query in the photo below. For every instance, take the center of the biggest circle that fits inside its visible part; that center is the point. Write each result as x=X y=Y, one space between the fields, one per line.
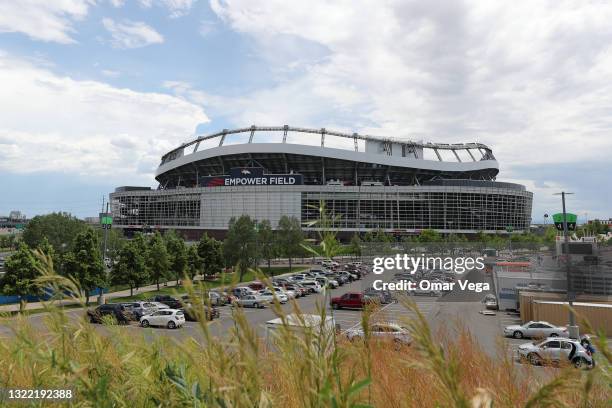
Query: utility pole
x=106 y=227
x=573 y=329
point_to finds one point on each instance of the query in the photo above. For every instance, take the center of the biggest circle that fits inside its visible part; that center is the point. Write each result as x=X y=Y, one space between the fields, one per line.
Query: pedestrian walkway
x=113 y=295
x=93 y=299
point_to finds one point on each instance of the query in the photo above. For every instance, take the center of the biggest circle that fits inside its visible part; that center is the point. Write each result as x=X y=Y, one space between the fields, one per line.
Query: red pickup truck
x=350 y=300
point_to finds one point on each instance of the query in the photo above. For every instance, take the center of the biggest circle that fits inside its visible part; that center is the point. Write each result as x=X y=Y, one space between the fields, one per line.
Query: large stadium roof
x=321 y=155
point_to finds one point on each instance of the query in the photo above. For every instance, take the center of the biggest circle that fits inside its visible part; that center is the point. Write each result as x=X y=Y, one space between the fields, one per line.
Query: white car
x=269 y=296
x=312 y=284
x=535 y=329
x=250 y=301
x=170 y=318
x=392 y=331
x=291 y=294
x=555 y=350
x=329 y=263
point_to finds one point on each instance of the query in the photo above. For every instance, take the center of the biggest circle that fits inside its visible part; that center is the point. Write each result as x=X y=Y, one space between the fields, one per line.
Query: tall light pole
x=573 y=329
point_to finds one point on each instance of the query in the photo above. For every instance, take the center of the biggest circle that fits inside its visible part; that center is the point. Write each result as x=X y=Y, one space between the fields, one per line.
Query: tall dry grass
x=111 y=366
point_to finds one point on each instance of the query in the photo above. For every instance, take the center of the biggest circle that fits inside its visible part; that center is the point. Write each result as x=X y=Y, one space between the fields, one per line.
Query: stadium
x=367 y=183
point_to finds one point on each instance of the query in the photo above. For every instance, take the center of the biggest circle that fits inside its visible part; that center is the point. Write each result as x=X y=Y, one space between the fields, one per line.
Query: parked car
x=257 y=286
x=269 y=296
x=350 y=300
x=170 y=318
x=228 y=297
x=210 y=313
x=172 y=302
x=216 y=299
x=556 y=350
x=159 y=305
x=391 y=331
x=312 y=284
x=250 y=301
x=341 y=279
x=291 y=294
x=490 y=302
x=328 y=263
x=535 y=329
x=384 y=295
x=241 y=291
x=140 y=309
x=119 y=312
x=295 y=288
x=351 y=276
x=324 y=282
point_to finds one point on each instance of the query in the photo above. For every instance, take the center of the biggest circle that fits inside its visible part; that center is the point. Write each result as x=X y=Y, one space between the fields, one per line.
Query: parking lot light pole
x=573 y=329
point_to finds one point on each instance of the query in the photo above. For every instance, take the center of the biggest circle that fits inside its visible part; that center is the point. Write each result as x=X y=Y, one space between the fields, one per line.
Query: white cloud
x=529 y=79
x=86 y=128
x=42 y=19
x=177 y=8
x=117 y=3
x=131 y=34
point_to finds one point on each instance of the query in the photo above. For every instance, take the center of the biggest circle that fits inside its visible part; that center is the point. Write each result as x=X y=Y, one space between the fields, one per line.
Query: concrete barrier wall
x=526 y=299
x=598 y=315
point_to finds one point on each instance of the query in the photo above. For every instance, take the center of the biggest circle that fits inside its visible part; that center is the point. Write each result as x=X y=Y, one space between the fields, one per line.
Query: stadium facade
x=367 y=183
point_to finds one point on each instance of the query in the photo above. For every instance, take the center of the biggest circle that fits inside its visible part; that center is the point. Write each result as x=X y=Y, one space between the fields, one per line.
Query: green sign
x=106 y=219
x=571 y=221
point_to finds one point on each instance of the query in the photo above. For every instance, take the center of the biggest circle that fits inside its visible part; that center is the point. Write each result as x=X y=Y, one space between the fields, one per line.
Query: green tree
x=59 y=229
x=290 y=237
x=84 y=262
x=20 y=276
x=355 y=246
x=130 y=267
x=177 y=254
x=194 y=263
x=210 y=255
x=240 y=245
x=266 y=240
x=158 y=262
x=430 y=235
x=9 y=241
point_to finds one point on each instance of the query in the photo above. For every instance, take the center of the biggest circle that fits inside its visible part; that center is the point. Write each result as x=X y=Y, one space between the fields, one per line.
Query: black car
x=173 y=303
x=211 y=313
x=121 y=313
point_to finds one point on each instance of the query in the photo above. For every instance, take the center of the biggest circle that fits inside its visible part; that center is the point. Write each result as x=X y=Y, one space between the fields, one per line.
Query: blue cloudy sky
x=93 y=92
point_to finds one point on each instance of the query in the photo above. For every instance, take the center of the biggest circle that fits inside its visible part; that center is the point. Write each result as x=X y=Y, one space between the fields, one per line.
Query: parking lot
x=257 y=318
x=447 y=313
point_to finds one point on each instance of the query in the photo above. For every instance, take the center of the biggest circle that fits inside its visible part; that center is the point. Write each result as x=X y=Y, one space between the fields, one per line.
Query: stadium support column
x=322 y=171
